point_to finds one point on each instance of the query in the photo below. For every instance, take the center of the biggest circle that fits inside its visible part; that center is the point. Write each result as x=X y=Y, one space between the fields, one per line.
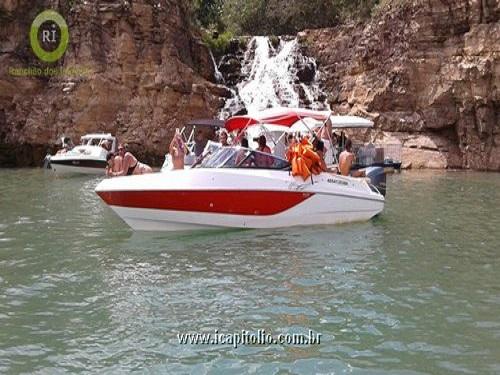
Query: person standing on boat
x=200 y=141
x=346 y=160
x=130 y=164
x=324 y=134
x=342 y=140
x=177 y=151
x=319 y=148
x=335 y=147
x=290 y=140
x=261 y=160
x=263 y=147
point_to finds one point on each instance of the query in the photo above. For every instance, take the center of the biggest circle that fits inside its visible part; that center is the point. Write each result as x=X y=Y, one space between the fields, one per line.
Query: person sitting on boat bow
x=130 y=164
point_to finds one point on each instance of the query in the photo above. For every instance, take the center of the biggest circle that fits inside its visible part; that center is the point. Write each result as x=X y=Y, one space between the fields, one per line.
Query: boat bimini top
x=276 y=122
x=289 y=117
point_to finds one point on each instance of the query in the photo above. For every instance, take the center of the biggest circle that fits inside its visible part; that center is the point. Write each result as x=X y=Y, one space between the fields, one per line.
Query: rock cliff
x=145 y=72
x=427 y=72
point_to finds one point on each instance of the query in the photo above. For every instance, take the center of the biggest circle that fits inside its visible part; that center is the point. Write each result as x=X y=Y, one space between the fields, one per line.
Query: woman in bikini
x=130 y=164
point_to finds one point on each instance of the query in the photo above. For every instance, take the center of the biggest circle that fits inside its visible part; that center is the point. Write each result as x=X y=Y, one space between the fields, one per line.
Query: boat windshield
x=94 y=140
x=91 y=141
x=240 y=157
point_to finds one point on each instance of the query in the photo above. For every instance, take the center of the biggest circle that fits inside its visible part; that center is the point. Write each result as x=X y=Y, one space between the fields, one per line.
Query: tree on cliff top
x=208 y=13
x=263 y=17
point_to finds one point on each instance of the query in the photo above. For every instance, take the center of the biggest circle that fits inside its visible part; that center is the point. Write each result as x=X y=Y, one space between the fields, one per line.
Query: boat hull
x=82 y=159
x=78 y=166
x=142 y=219
x=228 y=199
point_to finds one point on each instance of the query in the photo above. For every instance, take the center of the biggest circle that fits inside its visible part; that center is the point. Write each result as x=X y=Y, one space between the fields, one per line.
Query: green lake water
x=414 y=291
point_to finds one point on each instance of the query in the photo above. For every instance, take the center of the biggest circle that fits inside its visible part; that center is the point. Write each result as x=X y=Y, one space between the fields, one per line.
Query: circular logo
x=49 y=37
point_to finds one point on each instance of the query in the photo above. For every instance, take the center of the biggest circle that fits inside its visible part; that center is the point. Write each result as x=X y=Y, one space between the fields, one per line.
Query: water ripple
x=410 y=292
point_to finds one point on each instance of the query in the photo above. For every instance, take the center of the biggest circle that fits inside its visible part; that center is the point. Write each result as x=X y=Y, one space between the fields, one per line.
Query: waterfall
x=272 y=77
x=219 y=78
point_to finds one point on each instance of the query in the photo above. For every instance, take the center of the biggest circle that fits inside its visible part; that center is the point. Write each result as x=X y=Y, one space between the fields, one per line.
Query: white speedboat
x=236 y=187
x=228 y=190
x=87 y=158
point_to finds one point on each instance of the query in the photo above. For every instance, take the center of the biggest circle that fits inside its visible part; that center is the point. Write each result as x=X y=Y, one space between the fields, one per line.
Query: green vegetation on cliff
x=218 y=43
x=275 y=17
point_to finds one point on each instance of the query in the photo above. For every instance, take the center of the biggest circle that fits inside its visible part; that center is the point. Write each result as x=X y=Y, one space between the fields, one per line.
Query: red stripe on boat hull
x=212 y=201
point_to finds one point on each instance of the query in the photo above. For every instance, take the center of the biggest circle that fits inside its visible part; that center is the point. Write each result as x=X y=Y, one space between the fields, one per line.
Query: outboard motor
x=377 y=178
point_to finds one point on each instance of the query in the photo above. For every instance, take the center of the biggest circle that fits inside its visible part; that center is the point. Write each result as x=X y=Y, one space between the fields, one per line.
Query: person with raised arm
x=177 y=150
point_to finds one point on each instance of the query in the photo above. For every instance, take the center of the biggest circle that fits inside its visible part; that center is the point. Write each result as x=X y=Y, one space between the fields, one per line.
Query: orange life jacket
x=304 y=160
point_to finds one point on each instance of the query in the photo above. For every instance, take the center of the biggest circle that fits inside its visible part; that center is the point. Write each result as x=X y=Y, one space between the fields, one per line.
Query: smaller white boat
x=89 y=157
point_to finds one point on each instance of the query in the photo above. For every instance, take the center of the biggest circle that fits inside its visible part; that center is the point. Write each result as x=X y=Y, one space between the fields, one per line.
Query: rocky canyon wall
x=427 y=72
x=145 y=72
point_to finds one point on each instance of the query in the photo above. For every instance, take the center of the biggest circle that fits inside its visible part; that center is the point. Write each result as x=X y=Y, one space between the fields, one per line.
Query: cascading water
x=272 y=77
x=219 y=78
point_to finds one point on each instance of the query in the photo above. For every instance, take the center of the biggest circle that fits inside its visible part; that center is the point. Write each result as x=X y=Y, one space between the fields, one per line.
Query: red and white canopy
x=275 y=116
x=290 y=116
